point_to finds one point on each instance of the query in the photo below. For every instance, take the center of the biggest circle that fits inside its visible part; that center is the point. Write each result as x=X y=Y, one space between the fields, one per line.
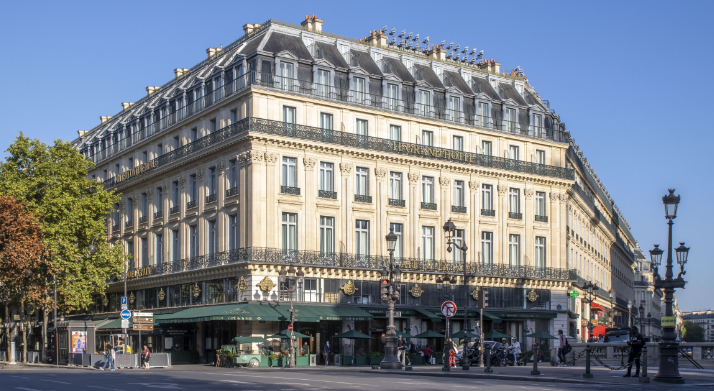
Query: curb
x=493 y=377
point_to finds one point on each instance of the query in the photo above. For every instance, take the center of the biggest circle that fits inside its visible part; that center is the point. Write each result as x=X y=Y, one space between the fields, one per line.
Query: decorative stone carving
x=309 y=162
x=271 y=158
x=532 y=295
x=182 y=181
x=564 y=197
x=413 y=177
x=150 y=194
x=165 y=187
x=502 y=189
x=242 y=285
x=554 y=196
x=254 y=157
x=121 y=205
x=444 y=181
x=162 y=295
x=196 y=291
x=221 y=166
x=381 y=173
x=473 y=185
x=416 y=290
x=474 y=293
x=349 y=288
x=199 y=174
x=346 y=168
x=528 y=193
x=266 y=285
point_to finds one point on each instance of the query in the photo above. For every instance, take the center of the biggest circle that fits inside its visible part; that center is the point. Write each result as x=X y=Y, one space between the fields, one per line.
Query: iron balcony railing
x=458 y=209
x=115 y=227
x=542 y=219
x=363 y=198
x=327 y=194
x=158 y=214
x=231 y=192
x=488 y=212
x=211 y=198
x=428 y=206
x=129 y=224
x=396 y=202
x=143 y=219
x=290 y=190
x=351 y=140
x=515 y=215
x=347 y=260
x=191 y=204
x=175 y=209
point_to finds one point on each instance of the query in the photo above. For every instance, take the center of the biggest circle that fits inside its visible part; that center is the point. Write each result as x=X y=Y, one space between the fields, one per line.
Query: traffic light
x=385 y=288
x=482 y=298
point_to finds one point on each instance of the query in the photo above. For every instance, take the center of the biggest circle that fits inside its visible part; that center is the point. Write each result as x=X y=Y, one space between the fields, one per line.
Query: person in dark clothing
x=636 y=343
x=326 y=352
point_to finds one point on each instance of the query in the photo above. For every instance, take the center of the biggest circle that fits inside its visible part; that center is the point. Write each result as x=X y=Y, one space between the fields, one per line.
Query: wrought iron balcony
x=175 y=209
x=396 y=202
x=158 y=214
x=115 y=227
x=542 y=219
x=143 y=219
x=129 y=224
x=488 y=212
x=458 y=209
x=290 y=190
x=327 y=194
x=515 y=215
x=363 y=198
x=231 y=192
x=211 y=198
x=428 y=206
x=191 y=204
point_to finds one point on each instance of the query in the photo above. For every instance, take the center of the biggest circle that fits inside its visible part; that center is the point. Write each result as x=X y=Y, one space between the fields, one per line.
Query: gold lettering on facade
x=135 y=171
x=349 y=288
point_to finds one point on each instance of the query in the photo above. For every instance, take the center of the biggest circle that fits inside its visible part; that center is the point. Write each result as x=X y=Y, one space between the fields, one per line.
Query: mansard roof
x=458 y=82
x=279 y=42
x=513 y=94
x=398 y=69
x=429 y=76
x=366 y=62
x=332 y=55
x=483 y=86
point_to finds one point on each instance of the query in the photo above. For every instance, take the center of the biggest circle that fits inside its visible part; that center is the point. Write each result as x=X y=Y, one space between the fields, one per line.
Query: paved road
x=217 y=379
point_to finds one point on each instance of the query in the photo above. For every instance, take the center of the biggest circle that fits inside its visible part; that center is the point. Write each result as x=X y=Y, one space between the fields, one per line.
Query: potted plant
x=439 y=356
x=361 y=359
x=374 y=358
x=276 y=360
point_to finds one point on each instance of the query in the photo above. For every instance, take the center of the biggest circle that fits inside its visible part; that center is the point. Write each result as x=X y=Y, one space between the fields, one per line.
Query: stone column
x=220 y=198
x=255 y=200
x=183 y=234
x=557 y=227
x=346 y=195
x=413 y=229
x=382 y=226
x=444 y=213
x=474 y=214
x=555 y=238
x=528 y=220
x=242 y=200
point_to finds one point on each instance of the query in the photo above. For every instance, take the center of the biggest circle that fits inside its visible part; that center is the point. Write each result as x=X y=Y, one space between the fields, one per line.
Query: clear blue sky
x=631 y=79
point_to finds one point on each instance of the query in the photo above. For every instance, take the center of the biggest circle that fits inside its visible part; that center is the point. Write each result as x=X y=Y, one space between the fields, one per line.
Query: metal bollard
x=644 y=378
x=488 y=362
x=587 y=374
x=12 y=353
x=535 y=371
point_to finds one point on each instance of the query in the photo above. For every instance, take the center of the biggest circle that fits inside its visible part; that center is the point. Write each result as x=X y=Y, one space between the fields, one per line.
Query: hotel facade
x=296 y=147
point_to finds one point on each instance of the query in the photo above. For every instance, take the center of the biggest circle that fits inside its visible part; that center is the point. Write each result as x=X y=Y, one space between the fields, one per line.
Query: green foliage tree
x=692 y=332
x=71 y=210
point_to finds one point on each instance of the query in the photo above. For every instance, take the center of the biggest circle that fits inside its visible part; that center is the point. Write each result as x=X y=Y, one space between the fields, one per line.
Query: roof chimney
x=249 y=29
x=81 y=133
x=438 y=52
x=150 y=90
x=104 y=118
x=126 y=105
x=312 y=22
x=376 y=37
x=181 y=72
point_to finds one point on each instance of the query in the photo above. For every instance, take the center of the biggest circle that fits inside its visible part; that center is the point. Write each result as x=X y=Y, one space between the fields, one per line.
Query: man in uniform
x=636 y=342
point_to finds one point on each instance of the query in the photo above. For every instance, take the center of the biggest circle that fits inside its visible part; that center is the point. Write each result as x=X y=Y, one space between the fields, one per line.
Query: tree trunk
x=22 y=330
x=44 y=336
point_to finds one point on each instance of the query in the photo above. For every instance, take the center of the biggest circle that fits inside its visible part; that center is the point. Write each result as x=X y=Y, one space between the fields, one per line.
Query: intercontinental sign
x=138 y=170
x=439 y=153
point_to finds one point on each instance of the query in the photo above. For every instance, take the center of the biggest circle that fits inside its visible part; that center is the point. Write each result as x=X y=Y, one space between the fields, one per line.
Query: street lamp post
x=668 y=370
x=649 y=330
x=450 y=230
x=447 y=294
x=287 y=283
x=641 y=308
x=629 y=313
x=390 y=279
x=590 y=290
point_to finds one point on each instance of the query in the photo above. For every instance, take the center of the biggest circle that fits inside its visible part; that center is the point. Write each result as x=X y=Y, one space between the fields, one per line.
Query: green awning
x=430 y=334
x=241 y=340
x=352 y=334
x=265 y=312
x=495 y=334
x=285 y=334
x=109 y=324
x=432 y=316
x=524 y=315
x=474 y=314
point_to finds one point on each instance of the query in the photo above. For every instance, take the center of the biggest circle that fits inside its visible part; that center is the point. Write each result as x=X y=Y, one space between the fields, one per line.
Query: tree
x=692 y=332
x=21 y=251
x=71 y=210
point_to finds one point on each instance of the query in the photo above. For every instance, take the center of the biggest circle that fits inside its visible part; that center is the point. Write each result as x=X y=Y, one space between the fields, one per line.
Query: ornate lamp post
x=450 y=231
x=447 y=294
x=590 y=290
x=649 y=331
x=641 y=308
x=629 y=313
x=287 y=283
x=669 y=347
x=390 y=279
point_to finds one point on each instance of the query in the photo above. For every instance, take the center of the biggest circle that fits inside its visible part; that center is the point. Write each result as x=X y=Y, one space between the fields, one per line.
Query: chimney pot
x=150 y=90
x=81 y=133
x=126 y=105
x=104 y=118
x=248 y=29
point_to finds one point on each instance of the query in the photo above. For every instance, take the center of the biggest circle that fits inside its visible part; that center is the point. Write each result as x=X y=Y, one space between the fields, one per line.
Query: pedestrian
x=561 y=349
x=145 y=356
x=402 y=351
x=305 y=349
x=636 y=342
x=427 y=355
x=600 y=339
x=111 y=354
x=326 y=352
x=516 y=346
x=452 y=353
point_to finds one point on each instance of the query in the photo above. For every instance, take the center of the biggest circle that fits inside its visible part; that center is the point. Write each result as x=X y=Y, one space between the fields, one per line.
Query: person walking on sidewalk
x=427 y=355
x=561 y=349
x=636 y=343
x=402 y=353
x=326 y=352
x=451 y=352
x=145 y=356
x=111 y=354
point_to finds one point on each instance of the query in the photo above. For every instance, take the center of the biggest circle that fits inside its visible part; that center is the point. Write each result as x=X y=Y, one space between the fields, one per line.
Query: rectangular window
x=212 y=181
x=423 y=103
x=458 y=143
x=486 y=148
x=159 y=149
x=193 y=188
x=482 y=115
x=159 y=199
x=427 y=138
x=427 y=243
x=289 y=232
x=362 y=181
x=130 y=163
x=159 y=249
x=212 y=239
x=144 y=205
x=487 y=248
x=327 y=176
x=130 y=250
x=326 y=121
x=538 y=125
x=177 y=143
x=513 y=152
x=145 y=156
x=395 y=185
x=458 y=240
x=540 y=156
x=359 y=91
x=232 y=174
x=129 y=209
x=459 y=193
x=194 y=135
x=233 y=232
x=362 y=239
x=399 y=247
x=540 y=203
x=514 y=250
x=454 y=111
x=427 y=189
x=176 y=249
x=175 y=194
x=234 y=116
x=323 y=83
x=212 y=126
x=540 y=260
x=311 y=292
x=144 y=243
x=290 y=171
x=392 y=94
x=509 y=122
x=514 y=196
x=395 y=133
x=286 y=76
x=361 y=127
x=193 y=241
x=327 y=236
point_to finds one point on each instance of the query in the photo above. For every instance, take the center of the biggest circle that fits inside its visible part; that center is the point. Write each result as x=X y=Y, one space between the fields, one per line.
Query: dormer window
x=423 y=103
x=286 y=76
x=509 y=120
x=392 y=95
x=323 y=83
x=482 y=114
x=359 y=90
x=537 y=125
x=453 y=113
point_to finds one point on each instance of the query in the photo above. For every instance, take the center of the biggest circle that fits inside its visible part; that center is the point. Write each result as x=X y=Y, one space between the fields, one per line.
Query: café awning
x=264 y=312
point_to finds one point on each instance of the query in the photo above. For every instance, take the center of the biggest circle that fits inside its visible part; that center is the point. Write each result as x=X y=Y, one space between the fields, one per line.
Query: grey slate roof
x=429 y=76
x=458 y=82
x=399 y=69
x=279 y=42
x=512 y=93
x=252 y=45
x=366 y=62
x=332 y=55
x=483 y=86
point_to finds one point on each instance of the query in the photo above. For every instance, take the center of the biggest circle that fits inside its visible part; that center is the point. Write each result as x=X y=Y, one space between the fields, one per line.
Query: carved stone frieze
x=502 y=189
x=199 y=174
x=221 y=166
x=564 y=197
x=413 y=177
x=444 y=181
x=554 y=196
x=473 y=185
x=271 y=158
x=528 y=193
x=381 y=173
x=309 y=163
x=346 y=168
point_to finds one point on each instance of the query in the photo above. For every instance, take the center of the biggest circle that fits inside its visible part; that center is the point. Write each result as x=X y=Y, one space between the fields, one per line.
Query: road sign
x=143 y=320
x=144 y=314
x=448 y=308
x=290 y=327
x=668 y=321
x=125 y=314
x=124 y=307
x=143 y=327
x=125 y=323
x=123 y=300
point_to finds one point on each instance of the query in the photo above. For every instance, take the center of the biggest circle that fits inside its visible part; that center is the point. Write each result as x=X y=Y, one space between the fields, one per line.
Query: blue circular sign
x=125 y=314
